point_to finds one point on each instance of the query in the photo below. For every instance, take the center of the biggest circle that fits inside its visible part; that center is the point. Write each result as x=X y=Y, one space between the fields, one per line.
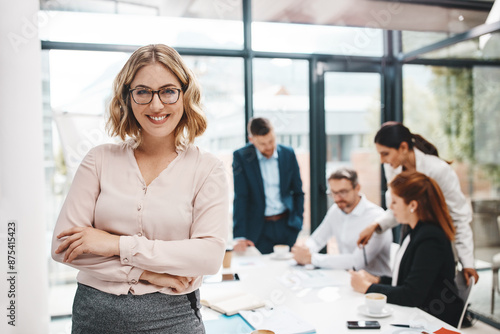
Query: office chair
x=464 y=292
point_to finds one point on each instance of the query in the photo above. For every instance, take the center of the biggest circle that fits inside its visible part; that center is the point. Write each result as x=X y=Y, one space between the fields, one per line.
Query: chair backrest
x=464 y=292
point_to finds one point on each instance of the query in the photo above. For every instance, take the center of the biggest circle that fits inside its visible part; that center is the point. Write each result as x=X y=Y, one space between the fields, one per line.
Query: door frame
x=317 y=122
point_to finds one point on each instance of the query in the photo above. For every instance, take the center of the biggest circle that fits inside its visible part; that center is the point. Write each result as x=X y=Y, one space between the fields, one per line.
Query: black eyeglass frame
x=153 y=92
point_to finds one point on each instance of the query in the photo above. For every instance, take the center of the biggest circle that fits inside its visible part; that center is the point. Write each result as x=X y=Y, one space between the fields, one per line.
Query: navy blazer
x=249 y=198
x=426 y=276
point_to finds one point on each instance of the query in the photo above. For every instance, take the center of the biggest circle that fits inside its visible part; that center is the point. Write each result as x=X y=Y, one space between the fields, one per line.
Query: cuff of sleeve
x=316 y=260
x=385 y=222
x=134 y=275
x=126 y=250
x=467 y=263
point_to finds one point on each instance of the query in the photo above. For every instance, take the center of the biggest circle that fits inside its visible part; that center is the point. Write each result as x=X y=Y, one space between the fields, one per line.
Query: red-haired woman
x=424 y=270
x=400 y=150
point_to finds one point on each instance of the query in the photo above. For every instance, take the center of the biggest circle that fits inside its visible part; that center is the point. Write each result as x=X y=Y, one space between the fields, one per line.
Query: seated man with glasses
x=350 y=214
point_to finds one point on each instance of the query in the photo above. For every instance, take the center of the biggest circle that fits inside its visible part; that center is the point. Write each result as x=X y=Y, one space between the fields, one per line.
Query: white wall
x=21 y=171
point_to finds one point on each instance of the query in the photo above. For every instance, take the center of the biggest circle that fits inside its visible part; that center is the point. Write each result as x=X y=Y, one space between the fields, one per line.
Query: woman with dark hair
x=146 y=218
x=400 y=150
x=424 y=268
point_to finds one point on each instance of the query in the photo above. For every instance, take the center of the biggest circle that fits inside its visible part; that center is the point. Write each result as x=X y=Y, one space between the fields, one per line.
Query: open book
x=233 y=302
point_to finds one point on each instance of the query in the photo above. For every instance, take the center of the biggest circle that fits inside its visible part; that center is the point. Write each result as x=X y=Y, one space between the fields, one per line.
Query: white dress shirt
x=346 y=229
x=460 y=209
x=269 y=169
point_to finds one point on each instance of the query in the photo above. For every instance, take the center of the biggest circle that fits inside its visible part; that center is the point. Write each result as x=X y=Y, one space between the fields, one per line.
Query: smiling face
x=157 y=119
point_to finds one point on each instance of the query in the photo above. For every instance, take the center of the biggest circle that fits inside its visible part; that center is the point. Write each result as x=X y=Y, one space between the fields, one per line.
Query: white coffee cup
x=375 y=302
x=281 y=250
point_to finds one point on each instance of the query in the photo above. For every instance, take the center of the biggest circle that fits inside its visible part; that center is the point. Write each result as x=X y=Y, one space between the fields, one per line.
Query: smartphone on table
x=371 y=324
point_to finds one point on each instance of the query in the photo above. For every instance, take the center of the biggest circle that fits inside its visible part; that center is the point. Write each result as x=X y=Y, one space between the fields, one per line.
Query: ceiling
x=425 y=15
x=390 y=15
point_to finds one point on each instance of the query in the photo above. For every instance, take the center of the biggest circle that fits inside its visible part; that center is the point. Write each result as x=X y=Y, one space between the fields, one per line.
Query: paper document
x=310 y=279
x=280 y=320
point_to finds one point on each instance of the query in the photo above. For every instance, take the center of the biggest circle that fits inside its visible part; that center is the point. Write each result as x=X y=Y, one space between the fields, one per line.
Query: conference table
x=320 y=297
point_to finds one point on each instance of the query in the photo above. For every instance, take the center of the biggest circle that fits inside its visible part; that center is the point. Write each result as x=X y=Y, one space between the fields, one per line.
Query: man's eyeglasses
x=143 y=95
x=341 y=193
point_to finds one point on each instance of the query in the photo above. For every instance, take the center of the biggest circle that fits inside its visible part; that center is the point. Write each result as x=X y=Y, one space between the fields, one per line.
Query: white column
x=24 y=286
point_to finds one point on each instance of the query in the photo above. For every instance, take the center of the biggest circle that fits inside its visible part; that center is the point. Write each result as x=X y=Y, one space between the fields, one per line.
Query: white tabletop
x=304 y=292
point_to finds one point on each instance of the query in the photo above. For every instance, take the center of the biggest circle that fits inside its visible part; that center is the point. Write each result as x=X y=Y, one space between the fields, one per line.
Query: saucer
x=363 y=310
x=286 y=256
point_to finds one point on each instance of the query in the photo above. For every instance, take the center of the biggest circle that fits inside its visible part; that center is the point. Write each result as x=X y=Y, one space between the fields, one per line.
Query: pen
x=405 y=326
x=364 y=255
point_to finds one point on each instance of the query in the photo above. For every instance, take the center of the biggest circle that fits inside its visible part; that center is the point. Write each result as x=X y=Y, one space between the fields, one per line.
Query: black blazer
x=249 y=198
x=426 y=276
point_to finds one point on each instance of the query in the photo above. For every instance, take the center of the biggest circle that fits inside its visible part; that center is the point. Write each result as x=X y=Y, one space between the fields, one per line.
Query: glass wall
x=281 y=93
x=352 y=107
x=204 y=24
x=486 y=47
x=303 y=38
x=457 y=110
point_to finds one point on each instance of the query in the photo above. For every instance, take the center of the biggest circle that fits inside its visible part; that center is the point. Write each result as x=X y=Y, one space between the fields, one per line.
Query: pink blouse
x=178 y=224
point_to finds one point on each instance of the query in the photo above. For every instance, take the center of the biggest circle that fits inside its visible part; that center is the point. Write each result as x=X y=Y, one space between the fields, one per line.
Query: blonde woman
x=145 y=219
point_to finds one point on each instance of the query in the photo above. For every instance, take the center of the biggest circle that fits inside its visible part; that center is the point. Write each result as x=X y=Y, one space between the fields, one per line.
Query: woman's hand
x=366 y=234
x=87 y=240
x=470 y=272
x=176 y=283
x=361 y=280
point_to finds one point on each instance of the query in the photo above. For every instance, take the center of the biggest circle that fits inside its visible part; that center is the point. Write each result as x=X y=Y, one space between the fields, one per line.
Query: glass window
x=220 y=9
x=457 y=110
x=210 y=24
x=352 y=107
x=281 y=93
x=303 y=38
x=486 y=47
x=413 y=40
x=75 y=99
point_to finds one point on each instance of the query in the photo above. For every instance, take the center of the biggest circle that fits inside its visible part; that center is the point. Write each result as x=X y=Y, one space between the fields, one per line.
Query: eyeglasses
x=341 y=193
x=143 y=95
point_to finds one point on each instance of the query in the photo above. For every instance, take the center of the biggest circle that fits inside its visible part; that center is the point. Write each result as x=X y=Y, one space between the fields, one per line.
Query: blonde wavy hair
x=122 y=122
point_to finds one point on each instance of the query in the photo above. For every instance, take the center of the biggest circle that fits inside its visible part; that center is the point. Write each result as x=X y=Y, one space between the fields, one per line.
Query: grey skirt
x=96 y=312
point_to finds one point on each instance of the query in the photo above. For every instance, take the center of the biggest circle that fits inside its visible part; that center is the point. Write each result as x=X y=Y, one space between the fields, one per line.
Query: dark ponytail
x=392 y=134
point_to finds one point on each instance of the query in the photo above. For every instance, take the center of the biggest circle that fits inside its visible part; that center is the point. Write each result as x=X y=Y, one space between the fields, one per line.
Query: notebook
x=233 y=302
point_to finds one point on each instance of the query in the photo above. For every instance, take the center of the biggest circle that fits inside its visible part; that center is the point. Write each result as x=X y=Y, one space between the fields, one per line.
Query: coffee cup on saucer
x=375 y=302
x=281 y=251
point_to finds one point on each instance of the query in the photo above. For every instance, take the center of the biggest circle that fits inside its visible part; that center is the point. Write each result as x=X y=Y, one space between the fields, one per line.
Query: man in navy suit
x=268 y=202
